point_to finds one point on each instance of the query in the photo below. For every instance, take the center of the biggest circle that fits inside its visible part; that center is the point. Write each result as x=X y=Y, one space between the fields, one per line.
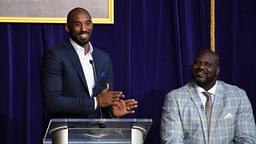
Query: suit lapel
x=198 y=104
x=217 y=107
x=96 y=59
x=76 y=63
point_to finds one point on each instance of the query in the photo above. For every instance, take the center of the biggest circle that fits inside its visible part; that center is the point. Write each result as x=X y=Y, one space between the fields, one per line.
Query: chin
x=200 y=82
x=82 y=43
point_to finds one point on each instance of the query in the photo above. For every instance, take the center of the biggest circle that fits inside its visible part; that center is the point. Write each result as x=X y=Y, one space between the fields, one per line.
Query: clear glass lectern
x=97 y=131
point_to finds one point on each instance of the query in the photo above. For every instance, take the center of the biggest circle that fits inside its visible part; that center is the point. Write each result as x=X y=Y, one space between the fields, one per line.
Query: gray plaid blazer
x=184 y=121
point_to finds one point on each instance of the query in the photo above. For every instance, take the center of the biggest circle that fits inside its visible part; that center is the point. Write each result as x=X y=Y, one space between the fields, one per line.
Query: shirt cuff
x=95 y=103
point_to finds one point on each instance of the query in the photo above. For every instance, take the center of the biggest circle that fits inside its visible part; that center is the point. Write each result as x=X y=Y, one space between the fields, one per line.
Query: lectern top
x=113 y=129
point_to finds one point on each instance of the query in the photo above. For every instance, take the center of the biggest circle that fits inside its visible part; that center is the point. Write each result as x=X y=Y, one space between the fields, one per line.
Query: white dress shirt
x=86 y=66
x=201 y=95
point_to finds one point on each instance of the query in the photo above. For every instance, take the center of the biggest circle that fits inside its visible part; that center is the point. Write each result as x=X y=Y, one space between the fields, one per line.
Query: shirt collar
x=211 y=90
x=80 y=49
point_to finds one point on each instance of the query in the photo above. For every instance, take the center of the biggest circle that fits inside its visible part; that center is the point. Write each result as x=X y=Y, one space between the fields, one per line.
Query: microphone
x=94 y=71
x=100 y=124
x=202 y=107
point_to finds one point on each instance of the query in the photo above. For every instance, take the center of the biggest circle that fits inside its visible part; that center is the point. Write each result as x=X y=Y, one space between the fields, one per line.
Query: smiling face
x=80 y=26
x=205 y=69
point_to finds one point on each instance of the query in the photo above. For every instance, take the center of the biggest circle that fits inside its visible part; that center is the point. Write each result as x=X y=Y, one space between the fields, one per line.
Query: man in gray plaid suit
x=187 y=117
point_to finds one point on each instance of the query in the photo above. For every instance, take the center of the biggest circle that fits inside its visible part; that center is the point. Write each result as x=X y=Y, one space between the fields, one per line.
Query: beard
x=206 y=82
x=80 y=41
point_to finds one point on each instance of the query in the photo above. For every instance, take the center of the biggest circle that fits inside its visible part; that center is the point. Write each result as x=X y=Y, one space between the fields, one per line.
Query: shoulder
x=101 y=55
x=231 y=89
x=58 y=52
x=58 y=48
x=98 y=51
x=232 y=93
x=180 y=97
x=182 y=92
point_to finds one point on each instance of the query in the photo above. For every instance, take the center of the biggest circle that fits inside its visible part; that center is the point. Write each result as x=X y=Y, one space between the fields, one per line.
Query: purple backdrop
x=152 y=44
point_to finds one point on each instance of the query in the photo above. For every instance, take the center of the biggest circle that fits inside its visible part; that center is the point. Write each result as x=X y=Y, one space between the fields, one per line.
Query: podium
x=97 y=131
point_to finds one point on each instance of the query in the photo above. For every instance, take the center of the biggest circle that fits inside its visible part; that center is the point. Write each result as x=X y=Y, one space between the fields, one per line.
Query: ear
x=218 y=70
x=66 y=28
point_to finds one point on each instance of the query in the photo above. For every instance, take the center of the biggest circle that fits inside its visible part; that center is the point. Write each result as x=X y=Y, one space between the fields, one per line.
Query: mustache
x=83 y=32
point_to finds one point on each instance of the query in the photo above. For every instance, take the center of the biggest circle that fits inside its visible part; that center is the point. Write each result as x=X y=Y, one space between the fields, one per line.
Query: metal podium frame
x=97 y=131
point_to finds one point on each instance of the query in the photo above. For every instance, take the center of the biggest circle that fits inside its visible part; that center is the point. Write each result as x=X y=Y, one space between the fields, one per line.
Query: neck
x=207 y=86
x=86 y=48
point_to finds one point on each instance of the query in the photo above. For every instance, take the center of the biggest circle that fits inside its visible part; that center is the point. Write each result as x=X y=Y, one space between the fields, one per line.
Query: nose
x=83 y=27
x=201 y=65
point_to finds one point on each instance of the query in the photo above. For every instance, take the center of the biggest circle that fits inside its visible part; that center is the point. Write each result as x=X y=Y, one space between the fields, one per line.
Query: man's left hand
x=124 y=107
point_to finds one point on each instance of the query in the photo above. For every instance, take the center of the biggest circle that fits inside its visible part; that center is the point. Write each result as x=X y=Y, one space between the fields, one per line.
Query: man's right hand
x=108 y=98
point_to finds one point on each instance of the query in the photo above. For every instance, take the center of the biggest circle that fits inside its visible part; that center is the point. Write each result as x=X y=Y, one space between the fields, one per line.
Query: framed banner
x=54 y=11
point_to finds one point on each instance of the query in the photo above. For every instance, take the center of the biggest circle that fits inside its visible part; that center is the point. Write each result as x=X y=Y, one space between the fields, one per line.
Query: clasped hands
x=115 y=99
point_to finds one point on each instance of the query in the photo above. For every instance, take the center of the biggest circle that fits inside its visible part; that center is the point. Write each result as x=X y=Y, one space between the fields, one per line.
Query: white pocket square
x=228 y=116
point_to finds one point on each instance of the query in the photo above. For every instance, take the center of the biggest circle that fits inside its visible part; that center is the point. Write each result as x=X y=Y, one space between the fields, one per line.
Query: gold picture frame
x=102 y=11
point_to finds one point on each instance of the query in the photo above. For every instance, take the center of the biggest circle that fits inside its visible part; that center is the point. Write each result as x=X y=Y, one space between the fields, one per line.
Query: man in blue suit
x=206 y=110
x=77 y=77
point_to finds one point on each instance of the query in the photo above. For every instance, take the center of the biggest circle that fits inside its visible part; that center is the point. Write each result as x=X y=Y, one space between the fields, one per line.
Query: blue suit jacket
x=64 y=85
x=184 y=121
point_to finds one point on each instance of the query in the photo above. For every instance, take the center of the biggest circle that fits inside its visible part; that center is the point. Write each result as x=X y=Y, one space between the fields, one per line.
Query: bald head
x=209 y=53
x=75 y=11
x=80 y=26
x=205 y=69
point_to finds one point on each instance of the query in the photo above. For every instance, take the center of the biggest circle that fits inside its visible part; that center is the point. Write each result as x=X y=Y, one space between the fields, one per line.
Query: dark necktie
x=208 y=107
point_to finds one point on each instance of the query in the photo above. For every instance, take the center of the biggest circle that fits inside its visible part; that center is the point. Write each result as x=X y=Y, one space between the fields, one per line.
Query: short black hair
x=69 y=16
